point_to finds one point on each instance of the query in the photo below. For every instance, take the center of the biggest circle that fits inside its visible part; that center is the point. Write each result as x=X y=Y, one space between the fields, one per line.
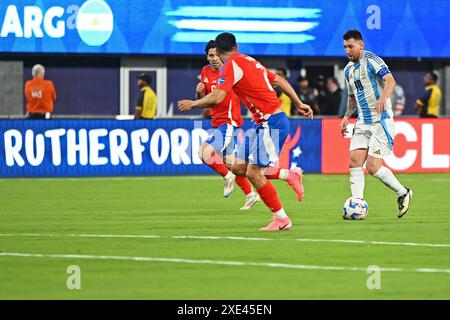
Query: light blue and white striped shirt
x=364 y=81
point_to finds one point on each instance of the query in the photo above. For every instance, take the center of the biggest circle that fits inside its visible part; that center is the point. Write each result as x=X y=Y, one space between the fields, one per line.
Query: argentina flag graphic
x=95 y=22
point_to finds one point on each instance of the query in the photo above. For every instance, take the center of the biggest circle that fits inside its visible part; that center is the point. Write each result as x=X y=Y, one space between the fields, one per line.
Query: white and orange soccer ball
x=355 y=209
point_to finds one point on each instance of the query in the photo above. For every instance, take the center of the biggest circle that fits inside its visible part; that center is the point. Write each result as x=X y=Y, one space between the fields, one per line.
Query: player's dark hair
x=353 y=33
x=433 y=76
x=300 y=79
x=225 y=42
x=283 y=70
x=210 y=45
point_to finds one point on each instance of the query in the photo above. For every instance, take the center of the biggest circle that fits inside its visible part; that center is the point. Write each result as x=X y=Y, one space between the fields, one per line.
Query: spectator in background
x=398 y=100
x=332 y=98
x=428 y=106
x=286 y=103
x=40 y=95
x=146 y=102
x=306 y=94
x=321 y=92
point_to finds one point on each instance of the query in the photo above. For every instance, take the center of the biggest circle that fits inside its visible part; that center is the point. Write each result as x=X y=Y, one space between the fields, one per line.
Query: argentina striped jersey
x=364 y=81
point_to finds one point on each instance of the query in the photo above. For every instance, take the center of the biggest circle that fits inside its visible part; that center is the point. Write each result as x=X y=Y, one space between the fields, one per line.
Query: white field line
x=217 y=262
x=131 y=236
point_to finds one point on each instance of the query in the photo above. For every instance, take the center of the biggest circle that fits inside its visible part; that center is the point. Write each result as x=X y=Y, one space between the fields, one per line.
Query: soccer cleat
x=228 y=185
x=278 y=224
x=403 y=203
x=250 y=200
x=295 y=180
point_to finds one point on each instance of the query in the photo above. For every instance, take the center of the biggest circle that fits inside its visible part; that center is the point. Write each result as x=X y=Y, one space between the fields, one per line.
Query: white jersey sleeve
x=377 y=65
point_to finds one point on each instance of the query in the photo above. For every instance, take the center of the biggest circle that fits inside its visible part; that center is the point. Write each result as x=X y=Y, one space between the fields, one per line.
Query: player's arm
x=352 y=106
x=422 y=101
x=285 y=86
x=389 y=85
x=139 y=106
x=200 y=91
x=207 y=101
x=381 y=70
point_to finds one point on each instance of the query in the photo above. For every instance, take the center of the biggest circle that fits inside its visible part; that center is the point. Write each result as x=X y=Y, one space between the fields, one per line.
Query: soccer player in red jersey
x=258 y=155
x=218 y=150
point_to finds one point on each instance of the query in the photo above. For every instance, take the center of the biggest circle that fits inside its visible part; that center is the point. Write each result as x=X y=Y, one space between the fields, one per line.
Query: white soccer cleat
x=403 y=203
x=250 y=200
x=228 y=184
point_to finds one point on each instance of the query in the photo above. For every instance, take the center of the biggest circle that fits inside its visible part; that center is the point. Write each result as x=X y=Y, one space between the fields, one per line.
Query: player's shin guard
x=357 y=182
x=215 y=162
x=387 y=177
x=244 y=184
x=269 y=195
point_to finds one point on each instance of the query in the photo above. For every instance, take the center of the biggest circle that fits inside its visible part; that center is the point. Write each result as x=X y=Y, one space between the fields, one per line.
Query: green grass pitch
x=61 y=217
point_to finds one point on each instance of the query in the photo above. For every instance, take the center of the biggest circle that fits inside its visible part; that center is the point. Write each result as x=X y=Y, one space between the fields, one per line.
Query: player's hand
x=343 y=126
x=306 y=110
x=380 y=106
x=185 y=105
x=200 y=88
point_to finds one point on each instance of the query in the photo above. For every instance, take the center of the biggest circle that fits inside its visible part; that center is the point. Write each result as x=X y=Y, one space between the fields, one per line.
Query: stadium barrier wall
x=59 y=148
x=420 y=145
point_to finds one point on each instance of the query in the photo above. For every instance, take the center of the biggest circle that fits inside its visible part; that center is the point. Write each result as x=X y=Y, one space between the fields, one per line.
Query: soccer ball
x=355 y=209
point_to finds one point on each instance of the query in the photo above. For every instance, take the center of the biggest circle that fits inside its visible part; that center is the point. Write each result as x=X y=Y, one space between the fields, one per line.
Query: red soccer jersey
x=251 y=81
x=229 y=110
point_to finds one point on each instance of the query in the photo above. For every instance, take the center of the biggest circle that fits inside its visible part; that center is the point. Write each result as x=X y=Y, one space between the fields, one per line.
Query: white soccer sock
x=281 y=214
x=229 y=175
x=284 y=173
x=357 y=182
x=388 y=178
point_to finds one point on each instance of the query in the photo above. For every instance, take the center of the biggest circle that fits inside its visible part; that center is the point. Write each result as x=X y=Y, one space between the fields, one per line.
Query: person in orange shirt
x=40 y=94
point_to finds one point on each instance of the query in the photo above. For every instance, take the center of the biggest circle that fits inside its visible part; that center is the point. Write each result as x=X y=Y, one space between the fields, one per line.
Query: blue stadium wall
x=60 y=148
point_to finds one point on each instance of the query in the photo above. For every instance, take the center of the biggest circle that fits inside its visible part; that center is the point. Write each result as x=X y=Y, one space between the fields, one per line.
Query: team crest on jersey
x=206 y=80
x=357 y=74
x=221 y=81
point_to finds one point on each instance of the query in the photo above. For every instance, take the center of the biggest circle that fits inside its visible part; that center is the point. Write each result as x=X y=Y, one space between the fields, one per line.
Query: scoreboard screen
x=401 y=28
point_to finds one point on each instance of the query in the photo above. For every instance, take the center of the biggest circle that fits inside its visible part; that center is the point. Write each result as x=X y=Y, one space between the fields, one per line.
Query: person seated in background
x=306 y=94
x=332 y=98
x=428 y=106
x=286 y=103
x=146 y=102
x=40 y=95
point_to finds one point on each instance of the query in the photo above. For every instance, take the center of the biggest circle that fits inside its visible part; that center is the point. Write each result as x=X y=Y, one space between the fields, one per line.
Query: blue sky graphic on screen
x=95 y=22
x=275 y=28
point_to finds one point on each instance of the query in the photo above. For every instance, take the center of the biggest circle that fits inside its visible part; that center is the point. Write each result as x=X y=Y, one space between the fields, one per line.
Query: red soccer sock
x=272 y=173
x=276 y=173
x=216 y=163
x=244 y=184
x=269 y=195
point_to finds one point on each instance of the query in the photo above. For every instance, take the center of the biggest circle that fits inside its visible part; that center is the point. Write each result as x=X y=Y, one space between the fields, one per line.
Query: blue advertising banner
x=59 y=148
x=400 y=28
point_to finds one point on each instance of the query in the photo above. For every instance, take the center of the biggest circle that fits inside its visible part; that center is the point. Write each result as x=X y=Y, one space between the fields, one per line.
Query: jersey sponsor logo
x=221 y=81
